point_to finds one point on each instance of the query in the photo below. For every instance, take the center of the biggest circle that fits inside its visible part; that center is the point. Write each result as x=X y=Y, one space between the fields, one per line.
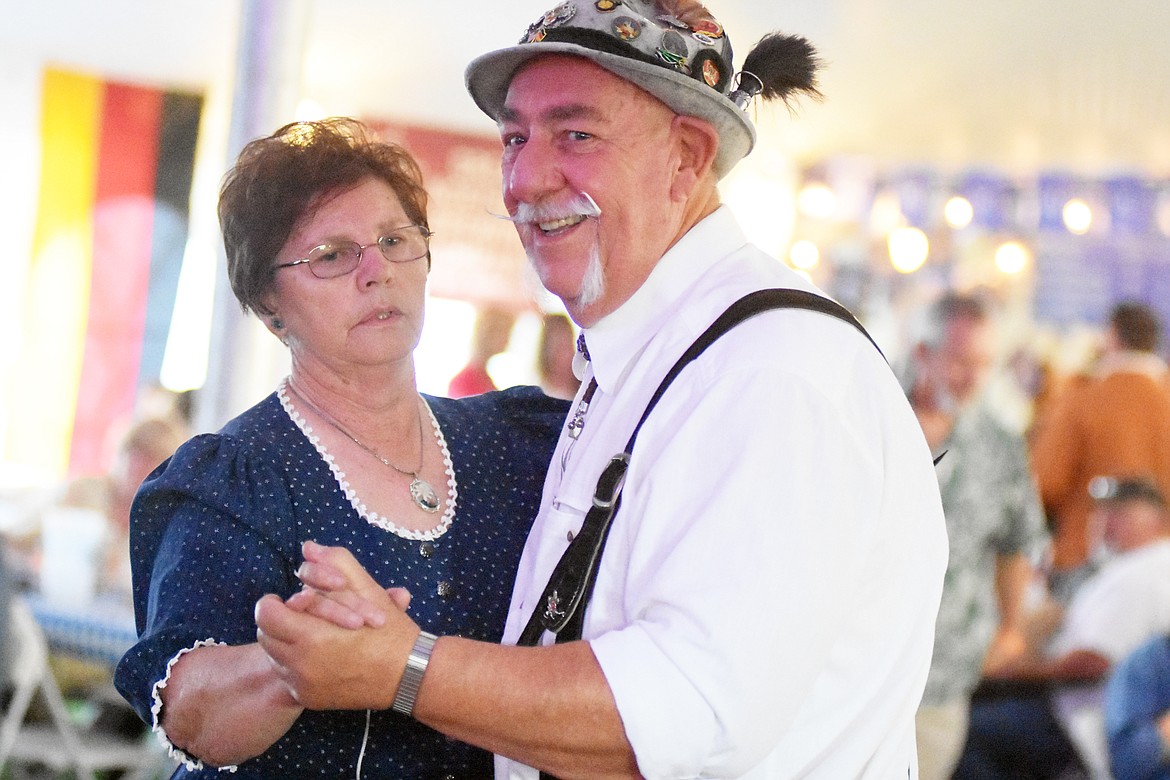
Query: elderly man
x=764 y=605
x=1049 y=728
x=994 y=521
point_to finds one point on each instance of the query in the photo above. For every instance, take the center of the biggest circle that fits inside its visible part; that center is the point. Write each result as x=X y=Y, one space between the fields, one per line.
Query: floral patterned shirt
x=991 y=508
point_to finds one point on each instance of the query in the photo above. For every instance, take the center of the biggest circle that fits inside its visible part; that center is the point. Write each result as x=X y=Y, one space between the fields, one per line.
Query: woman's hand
x=338 y=590
x=342 y=660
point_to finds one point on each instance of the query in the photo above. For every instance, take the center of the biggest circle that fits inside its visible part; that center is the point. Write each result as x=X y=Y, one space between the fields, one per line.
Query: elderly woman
x=327 y=242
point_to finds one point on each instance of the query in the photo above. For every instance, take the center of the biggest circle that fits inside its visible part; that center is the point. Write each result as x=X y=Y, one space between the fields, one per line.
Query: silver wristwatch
x=416 y=665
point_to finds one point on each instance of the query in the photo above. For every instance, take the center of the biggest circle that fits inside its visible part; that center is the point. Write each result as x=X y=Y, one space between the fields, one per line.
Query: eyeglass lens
x=399 y=246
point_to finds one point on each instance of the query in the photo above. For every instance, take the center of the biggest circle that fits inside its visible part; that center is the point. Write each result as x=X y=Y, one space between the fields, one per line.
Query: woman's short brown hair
x=279 y=180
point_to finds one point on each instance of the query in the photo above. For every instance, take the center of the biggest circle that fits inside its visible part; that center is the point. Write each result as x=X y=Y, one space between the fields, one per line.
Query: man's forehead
x=568 y=87
x=559 y=73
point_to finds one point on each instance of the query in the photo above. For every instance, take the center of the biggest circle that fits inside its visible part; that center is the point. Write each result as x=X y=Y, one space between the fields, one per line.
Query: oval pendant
x=424 y=495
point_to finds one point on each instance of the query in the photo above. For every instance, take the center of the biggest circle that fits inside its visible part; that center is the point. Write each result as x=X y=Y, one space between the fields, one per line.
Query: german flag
x=115 y=182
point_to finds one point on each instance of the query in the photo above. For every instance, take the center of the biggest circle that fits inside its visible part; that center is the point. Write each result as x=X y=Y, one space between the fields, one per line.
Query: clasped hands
x=342 y=641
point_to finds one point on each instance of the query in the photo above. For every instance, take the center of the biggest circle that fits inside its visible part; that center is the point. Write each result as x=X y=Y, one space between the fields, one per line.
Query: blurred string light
x=764 y=202
x=1012 y=257
x=817 y=200
x=1077 y=215
x=1162 y=212
x=804 y=255
x=958 y=212
x=885 y=215
x=908 y=247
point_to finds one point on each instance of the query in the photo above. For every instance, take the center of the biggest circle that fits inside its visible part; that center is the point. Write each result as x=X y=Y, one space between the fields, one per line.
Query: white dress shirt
x=766 y=601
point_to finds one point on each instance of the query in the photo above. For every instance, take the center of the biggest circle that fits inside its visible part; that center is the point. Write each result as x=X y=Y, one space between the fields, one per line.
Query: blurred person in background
x=995 y=526
x=144 y=445
x=1137 y=713
x=1043 y=712
x=555 y=354
x=493 y=328
x=75 y=565
x=1115 y=422
x=139 y=447
x=327 y=242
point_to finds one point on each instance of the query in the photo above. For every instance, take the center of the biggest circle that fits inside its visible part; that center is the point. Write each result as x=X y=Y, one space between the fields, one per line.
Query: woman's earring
x=278 y=323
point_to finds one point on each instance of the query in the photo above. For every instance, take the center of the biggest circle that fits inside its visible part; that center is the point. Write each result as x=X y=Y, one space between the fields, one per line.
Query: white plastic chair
x=60 y=744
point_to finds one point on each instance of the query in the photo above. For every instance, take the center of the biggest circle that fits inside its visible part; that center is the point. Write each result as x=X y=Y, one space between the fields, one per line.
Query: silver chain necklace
x=421 y=492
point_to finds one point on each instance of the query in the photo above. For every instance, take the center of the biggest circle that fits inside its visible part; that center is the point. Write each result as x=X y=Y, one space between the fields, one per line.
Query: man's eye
x=580 y=135
x=514 y=139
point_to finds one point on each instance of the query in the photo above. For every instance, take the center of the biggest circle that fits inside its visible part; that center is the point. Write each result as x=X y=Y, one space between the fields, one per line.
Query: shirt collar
x=1133 y=362
x=617 y=339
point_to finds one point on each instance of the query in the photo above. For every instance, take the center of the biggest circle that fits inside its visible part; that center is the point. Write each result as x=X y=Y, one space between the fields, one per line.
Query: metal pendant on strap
x=568 y=589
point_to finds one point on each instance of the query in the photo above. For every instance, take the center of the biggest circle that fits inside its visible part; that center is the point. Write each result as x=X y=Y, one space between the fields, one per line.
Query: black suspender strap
x=561 y=608
x=746 y=307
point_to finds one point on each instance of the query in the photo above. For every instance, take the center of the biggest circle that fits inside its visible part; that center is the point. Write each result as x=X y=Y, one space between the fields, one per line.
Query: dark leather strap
x=746 y=307
x=561 y=605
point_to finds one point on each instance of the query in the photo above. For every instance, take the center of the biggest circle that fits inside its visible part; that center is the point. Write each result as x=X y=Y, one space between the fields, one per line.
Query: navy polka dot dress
x=222 y=522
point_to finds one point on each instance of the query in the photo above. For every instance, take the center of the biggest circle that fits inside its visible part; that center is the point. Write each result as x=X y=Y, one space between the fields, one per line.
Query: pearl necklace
x=421 y=492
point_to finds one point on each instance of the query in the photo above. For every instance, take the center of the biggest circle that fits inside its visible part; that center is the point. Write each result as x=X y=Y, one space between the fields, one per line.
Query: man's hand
x=1006 y=649
x=1163 y=723
x=331 y=666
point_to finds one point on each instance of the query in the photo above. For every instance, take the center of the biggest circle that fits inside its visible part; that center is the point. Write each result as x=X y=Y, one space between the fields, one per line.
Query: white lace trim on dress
x=156 y=708
x=371 y=517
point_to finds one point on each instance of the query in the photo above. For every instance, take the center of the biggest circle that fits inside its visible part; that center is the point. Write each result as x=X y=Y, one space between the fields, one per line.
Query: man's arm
x=1077 y=665
x=549 y=707
x=1013 y=576
x=1034 y=664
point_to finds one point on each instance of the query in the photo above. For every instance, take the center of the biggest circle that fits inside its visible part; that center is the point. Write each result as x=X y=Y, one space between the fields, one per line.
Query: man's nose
x=532 y=173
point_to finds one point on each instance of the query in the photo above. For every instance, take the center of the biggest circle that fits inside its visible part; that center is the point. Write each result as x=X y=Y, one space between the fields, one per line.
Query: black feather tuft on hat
x=784 y=65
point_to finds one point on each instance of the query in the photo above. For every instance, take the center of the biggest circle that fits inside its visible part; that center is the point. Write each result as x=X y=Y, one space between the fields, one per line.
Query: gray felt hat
x=689 y=68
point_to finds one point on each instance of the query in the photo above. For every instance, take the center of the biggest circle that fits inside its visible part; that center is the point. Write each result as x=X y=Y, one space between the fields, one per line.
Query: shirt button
x=426 y=549
x=445 y=589
x=569 y=536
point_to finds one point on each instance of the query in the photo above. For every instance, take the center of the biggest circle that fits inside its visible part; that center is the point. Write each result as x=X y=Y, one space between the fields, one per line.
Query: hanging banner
x=477 y=256
x=116 y=167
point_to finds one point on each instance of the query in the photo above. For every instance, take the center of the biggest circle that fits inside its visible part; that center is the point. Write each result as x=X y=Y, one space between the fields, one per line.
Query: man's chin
x=576 y=290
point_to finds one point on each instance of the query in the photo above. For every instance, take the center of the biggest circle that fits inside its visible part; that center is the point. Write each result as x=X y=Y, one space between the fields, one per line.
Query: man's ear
x=698 y=142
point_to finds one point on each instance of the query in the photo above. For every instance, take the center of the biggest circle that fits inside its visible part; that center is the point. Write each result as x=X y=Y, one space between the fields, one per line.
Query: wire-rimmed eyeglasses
x=400 y=245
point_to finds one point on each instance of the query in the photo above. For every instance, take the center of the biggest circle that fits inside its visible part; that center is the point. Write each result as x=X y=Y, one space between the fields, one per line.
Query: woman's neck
x=386 y=396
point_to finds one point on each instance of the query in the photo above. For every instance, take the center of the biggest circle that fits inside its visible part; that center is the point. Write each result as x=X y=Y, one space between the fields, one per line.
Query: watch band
x=416 y=666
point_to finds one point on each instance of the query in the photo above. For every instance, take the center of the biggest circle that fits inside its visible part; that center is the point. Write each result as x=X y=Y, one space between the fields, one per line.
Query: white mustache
x=581 y=204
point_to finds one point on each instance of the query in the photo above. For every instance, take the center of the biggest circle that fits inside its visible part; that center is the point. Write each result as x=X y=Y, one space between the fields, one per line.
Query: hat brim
x=489 y=76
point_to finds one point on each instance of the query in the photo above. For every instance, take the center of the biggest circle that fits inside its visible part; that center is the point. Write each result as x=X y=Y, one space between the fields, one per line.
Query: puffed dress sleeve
x=212 y=530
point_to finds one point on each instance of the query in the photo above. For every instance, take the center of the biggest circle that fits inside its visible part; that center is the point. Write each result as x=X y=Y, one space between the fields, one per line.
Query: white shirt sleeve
x=763 y=522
